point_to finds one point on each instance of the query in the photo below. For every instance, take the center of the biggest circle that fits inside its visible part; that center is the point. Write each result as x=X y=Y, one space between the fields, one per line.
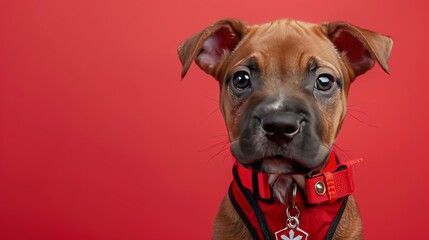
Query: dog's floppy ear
x=360 y=47
x=209 y=47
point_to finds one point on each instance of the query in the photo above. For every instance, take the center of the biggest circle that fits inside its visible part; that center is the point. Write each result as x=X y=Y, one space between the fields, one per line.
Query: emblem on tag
x=291 y=234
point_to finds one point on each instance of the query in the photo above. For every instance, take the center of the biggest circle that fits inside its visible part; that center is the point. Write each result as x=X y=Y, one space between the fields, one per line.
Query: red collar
x=323 y=202
x=334 y=182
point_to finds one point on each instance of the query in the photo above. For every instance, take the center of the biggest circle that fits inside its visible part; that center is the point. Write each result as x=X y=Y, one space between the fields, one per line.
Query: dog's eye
x=324 y=82
x=241 y=80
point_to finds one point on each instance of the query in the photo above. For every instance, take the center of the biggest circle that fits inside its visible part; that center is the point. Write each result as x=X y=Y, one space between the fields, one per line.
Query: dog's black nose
x=281 y=127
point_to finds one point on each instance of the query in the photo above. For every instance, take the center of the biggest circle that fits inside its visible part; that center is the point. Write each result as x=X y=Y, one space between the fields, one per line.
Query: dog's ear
x=211 y=46
x=360 y=47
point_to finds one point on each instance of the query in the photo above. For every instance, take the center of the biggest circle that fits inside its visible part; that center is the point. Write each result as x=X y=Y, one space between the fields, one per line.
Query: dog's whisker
x=361 y=121
x=338 y=149
x=223 y=149
x=358 y=111
x=227 y=155
x=217 y=109
x=221 y=144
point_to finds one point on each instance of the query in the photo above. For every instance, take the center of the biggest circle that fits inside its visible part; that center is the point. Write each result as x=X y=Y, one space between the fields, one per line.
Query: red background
x=99 y=138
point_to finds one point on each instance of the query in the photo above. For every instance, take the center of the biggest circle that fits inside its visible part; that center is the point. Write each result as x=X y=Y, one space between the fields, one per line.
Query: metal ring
x=289 y=216
x=292 y=222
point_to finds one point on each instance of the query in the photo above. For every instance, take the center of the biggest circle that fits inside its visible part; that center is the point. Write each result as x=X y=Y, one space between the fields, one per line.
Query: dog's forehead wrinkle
x=288 y=66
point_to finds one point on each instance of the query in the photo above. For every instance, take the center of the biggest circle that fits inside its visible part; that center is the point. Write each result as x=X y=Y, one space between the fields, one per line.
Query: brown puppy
x=283 y=94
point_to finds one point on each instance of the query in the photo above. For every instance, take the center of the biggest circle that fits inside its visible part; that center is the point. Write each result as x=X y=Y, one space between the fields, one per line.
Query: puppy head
x=284 y=86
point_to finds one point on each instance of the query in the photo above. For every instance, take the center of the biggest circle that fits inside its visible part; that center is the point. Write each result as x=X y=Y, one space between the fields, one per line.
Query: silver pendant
x=292 y=230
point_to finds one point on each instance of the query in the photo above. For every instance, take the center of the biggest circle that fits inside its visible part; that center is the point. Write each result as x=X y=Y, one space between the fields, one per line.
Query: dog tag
x=291 y=234
x=292 y=230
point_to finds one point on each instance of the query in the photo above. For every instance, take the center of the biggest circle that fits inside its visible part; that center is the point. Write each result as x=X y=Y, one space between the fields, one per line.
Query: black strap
x=243 y=217
x=255 y=186
x=255 y=207
x=334 y=224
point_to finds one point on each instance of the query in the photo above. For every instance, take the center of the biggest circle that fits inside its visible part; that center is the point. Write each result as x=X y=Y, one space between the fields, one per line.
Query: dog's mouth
x=279 y=164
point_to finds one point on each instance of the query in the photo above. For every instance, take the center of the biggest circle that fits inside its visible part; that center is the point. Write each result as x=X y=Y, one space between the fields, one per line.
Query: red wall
x=99 y=138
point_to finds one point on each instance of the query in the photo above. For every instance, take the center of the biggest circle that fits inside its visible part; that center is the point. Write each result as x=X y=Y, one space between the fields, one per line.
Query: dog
x=283 y=95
